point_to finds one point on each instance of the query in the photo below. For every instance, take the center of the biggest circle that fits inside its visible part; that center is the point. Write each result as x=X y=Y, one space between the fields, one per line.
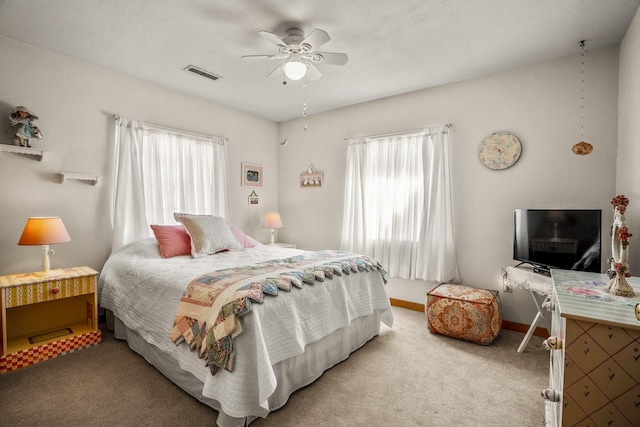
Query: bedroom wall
x=75 y=103
x=539 y=103
x=628 y=172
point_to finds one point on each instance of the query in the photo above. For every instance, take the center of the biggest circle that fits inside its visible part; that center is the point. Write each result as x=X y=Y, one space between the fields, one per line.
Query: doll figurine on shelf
x=22 y=120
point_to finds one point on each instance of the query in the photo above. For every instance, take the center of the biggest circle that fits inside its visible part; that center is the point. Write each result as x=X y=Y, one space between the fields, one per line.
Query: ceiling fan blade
x=272 y=37
x=333 y=58
x=276 y=71
x=312 y=72
x=317 y=38
x=264 y=56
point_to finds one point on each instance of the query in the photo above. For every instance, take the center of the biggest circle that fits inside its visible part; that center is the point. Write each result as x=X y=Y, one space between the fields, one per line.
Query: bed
x=286 y=342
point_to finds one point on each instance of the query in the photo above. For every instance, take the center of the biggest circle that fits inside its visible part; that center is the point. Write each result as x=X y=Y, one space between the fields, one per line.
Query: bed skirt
x=291 y=374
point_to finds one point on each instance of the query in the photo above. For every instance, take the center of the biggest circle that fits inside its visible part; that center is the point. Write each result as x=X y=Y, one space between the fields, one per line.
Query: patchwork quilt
x=209 y=314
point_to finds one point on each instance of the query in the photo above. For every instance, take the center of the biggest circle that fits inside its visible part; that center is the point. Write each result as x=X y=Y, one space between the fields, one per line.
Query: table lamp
x=273 y=221
x=44 y=231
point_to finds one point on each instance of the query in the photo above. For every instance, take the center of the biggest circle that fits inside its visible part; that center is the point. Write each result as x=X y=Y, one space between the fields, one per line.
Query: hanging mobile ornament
x=582 y=148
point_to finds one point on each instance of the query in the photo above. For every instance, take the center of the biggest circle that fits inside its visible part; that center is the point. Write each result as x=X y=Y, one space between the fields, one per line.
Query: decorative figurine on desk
x=22 y=120
x=619 y=271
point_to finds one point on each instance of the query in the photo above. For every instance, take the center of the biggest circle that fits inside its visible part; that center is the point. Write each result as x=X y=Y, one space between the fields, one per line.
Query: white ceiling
x=394 y=46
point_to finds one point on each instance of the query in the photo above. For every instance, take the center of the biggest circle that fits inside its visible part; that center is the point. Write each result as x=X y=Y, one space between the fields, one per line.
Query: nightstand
x=283 y=245
x=43 y=316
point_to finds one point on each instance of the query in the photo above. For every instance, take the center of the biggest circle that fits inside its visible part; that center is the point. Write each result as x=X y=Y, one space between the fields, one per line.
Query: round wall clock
x=500 y=150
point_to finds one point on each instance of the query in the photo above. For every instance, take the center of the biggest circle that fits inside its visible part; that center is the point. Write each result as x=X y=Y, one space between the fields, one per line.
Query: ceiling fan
x=299 y=53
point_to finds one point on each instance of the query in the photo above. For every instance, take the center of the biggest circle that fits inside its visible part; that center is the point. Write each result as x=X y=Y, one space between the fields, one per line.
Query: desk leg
x=532 y=328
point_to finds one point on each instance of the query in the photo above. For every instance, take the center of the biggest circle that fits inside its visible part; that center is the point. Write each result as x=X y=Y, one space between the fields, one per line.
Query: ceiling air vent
x=201 y=72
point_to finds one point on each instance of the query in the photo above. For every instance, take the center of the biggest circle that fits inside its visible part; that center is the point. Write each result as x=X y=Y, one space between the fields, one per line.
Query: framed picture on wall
x=253 y=199
x=251 y=175
x=308 y=180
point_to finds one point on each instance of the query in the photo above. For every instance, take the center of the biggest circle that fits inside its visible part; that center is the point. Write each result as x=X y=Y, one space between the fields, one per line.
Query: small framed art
x=311 y=179
x=251 y=175
x=253 y=199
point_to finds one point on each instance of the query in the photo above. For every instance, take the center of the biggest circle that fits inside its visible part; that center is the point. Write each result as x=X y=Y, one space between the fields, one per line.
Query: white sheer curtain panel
x=397 y=205
x=160 y=171
x=437 y=250
x=127 y=214
x=193 y=173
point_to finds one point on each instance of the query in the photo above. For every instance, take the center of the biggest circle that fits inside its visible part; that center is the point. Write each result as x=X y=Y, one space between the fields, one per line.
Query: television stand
x=536 y=284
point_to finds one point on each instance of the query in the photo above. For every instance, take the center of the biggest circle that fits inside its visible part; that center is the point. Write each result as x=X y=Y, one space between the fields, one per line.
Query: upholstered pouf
x=466 y=313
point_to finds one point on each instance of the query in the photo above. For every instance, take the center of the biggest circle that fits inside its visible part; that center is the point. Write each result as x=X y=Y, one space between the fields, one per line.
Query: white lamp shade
x=273 y=220
x=294 y=69
x=44 y=231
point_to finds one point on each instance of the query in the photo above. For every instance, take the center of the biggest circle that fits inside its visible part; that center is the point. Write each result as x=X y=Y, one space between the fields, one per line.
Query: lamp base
x=619 y=286
x=45 y=260
x=273 y=236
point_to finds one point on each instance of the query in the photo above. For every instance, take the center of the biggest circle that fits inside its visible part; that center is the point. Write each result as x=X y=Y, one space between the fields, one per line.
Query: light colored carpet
x=404 y=377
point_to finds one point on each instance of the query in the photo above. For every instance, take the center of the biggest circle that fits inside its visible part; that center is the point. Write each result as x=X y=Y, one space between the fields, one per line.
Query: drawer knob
x=550 y=394
x=552 y=343
x=55 y=290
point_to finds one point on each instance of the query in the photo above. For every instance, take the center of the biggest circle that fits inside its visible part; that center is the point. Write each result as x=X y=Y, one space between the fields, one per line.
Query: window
x=397 y=204
x=182 y=173
x=159 y=171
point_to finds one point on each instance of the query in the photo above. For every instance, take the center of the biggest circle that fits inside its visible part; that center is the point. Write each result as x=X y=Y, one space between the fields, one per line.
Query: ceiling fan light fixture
x=294 y=68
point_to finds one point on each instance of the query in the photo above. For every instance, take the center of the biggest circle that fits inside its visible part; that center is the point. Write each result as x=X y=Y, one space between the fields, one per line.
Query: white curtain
x=397 y=205
x=127 y=213
x=160 y=171
x=437 y=252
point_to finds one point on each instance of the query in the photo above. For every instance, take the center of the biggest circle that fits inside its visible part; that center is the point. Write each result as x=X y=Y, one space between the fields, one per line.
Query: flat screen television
x=558 y=238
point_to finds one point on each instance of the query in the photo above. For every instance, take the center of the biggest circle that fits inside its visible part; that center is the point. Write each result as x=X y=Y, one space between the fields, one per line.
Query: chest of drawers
x=594 y=376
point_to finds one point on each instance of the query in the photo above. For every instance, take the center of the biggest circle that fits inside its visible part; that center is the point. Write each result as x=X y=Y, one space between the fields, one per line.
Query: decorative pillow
x=209 y=234
x=173 y=240
x=244 y=240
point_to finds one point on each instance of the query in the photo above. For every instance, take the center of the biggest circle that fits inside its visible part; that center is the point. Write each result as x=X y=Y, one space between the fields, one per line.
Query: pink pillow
x=244 y=240
x=173 y=240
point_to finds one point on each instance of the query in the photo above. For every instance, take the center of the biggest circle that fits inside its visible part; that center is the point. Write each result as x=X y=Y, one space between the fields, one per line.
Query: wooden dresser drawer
x=48 y=290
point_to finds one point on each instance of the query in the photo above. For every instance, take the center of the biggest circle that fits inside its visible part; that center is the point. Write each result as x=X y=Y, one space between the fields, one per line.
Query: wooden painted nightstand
x=283 y=245
x=43 y=316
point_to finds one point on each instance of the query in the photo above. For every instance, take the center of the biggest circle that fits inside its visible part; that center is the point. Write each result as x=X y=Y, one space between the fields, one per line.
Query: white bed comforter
x=143 y=290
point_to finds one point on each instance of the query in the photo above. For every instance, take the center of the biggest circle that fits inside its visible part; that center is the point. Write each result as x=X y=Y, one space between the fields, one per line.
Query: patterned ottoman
x=466 y=313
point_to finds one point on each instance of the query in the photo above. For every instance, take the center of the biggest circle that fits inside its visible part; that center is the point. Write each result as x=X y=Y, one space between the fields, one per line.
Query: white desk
x=525 y=278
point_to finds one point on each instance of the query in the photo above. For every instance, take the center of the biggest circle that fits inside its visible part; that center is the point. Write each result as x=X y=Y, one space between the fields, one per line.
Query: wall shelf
x=93 y=179
x=23 y=150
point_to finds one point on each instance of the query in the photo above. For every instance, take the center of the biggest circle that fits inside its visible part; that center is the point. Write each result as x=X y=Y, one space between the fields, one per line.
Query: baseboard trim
x=510 y=326
x=519 y=327
x=407 y=304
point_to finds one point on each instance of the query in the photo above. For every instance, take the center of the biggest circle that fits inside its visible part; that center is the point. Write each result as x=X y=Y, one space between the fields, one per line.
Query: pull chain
x=304 y=110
